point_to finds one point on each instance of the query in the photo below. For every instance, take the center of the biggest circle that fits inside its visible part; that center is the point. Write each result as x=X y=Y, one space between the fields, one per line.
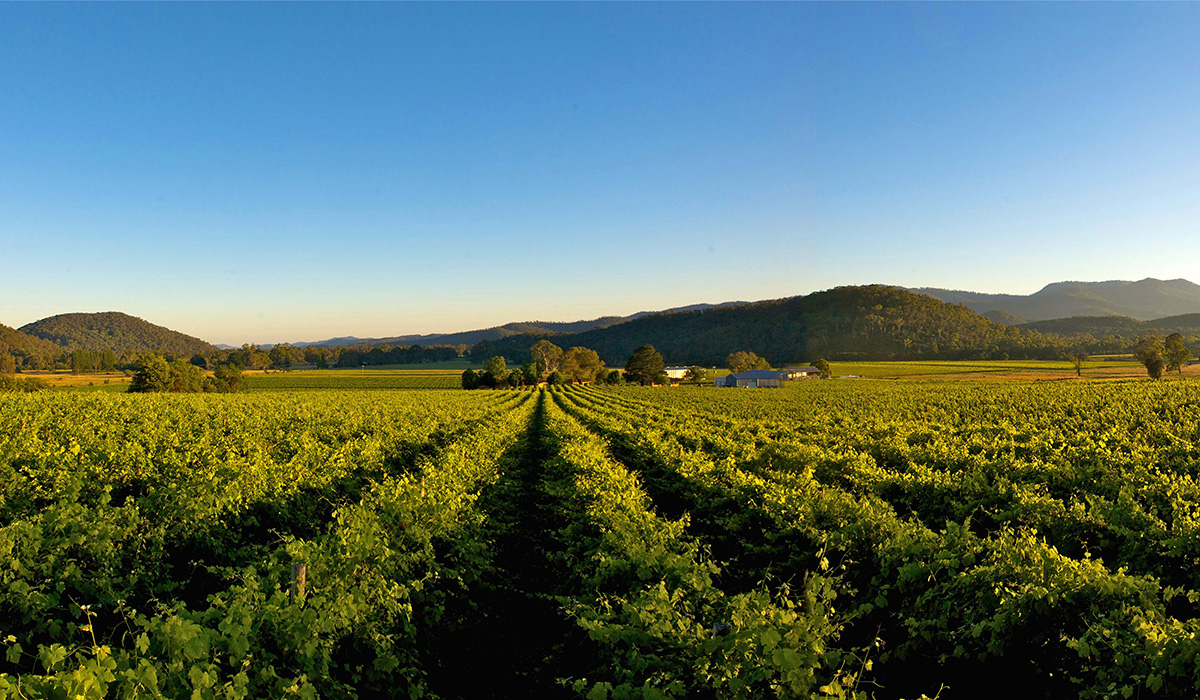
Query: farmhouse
x=800 y=372
x=755 y=379
x=675 y=372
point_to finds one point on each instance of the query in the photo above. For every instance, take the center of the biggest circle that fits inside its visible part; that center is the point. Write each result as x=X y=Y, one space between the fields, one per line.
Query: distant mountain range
x=538 y=328
x=874 y=321
x=1120 y=326
x=1142 y=300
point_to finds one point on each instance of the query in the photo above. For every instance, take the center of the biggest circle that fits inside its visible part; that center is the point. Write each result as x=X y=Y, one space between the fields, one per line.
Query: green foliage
x=1149 y=351
x=644 y=366
x=105 y=544
x=1175 y=353
x=695 y=374
x=546 y=357
x=226 y=379
x=155 y=374
x=495 y=372
x=11 y=383
x=114 y=331
x=580 y=364
x=82 y=361
x=808 y=542
x=8 y=363
x=152 y=373
x=741 y=361
x=845 y=323
x=469 y=379
x=1077 y=358
x=822 y=366
x=27 y=348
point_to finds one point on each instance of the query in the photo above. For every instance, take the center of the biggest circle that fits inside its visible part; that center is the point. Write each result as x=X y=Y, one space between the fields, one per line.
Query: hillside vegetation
x=539 y=329
x=24 y=345
x=111 y=330
x=1122 y=326
x=868 y=322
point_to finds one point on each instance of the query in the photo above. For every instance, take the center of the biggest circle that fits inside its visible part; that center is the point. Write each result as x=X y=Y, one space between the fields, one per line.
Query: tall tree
x=495 y=371
x=548 y=357
x=1149 y=351
x=185 y=377
x=741 y=361
x=580 y=364
x=152 y=374
x=1175 y=353
x=8 y=363
x=82 y=361
x=644 y=365
x=1078 y=357
x=228 y=379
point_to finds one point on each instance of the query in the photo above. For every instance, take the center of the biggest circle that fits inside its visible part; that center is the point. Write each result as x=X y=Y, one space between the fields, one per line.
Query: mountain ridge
x=1144 y=299
x=547 y=328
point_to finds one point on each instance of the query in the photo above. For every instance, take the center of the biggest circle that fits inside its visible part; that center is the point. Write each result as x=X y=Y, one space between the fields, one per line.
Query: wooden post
x=299 y=572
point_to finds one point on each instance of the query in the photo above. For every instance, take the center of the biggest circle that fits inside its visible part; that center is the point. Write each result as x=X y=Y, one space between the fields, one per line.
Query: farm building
x=676 y=372
x=755 y=379
x=800 y=372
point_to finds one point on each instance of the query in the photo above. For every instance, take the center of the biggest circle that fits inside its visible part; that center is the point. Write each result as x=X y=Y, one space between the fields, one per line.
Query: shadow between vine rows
x=519 y=643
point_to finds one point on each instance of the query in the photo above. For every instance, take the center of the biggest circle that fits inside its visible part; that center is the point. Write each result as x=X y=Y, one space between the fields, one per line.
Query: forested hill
x=538 y=329
x=14 y=342
x=869 y=322
x=1120 y=326
x=114 y=331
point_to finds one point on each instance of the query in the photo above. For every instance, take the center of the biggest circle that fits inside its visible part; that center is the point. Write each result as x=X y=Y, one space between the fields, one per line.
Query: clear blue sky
x=287 y=172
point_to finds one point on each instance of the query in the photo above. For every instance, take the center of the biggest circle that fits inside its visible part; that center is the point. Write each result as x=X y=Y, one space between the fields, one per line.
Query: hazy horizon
x=291 y=173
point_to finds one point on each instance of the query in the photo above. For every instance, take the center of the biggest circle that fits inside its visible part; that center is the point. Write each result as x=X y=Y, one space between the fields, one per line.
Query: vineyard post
x=299 y=573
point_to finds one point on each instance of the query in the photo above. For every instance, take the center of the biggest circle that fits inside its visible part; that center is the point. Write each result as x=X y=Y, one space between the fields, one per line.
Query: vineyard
x=866 y=539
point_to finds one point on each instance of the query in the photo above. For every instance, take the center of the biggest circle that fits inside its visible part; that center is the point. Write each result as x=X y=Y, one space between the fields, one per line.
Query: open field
x=458 y=365
x=98 y=381
x=370 y=378
x=997 y=370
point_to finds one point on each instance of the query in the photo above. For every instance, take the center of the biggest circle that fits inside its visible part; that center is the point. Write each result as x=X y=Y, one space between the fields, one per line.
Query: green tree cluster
x=742 y=361
x=1149 y=351
x=1175 y=353
x=546 y=357
x=154 y=374
x=580 y=364
x=645 y=366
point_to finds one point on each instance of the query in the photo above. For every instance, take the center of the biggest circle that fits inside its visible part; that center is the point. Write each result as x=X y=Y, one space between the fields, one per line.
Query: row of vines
x=829 y=539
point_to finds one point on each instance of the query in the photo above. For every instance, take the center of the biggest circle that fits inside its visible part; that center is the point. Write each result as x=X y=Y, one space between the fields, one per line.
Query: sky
x=270 y=173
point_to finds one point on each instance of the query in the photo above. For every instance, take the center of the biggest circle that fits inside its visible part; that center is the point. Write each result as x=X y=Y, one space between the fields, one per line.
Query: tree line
x=155 y=374
x=1158 y=355
x=548 y=363
x=873 y=322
